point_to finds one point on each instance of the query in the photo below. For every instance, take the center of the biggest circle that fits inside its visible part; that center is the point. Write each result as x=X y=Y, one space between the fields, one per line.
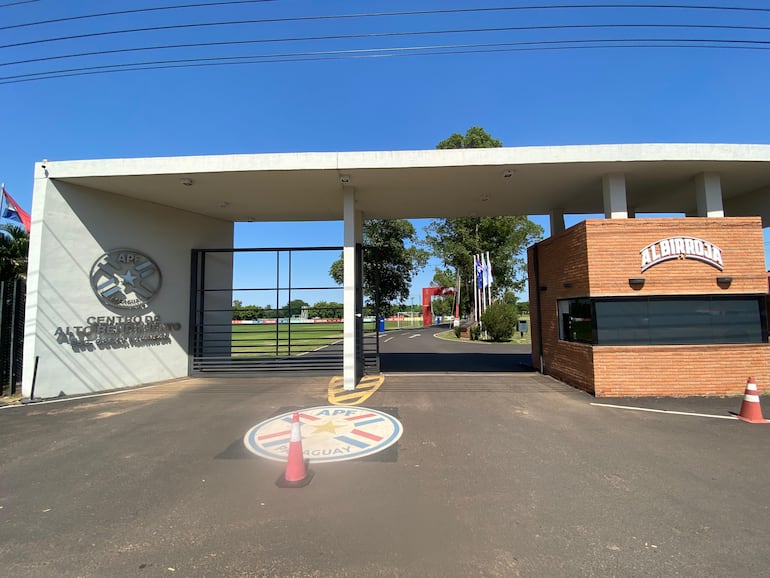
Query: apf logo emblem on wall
x=125 y=279
x=681 y=248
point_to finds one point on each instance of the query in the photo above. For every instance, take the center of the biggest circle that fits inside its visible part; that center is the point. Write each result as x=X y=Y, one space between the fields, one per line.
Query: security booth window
x=576 y=320
x=687 y=320
x=691 y=320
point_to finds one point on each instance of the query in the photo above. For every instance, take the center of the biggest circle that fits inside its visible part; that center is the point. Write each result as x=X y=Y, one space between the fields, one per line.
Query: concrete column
x=352 y=288
x=614 y=188
x=708 y=190
x=557 y=221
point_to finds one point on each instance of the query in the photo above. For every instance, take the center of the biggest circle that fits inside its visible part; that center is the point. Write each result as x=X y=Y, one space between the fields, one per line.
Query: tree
x=326 y=310
x=293 y=308
x=391 y=260
x=475 y=138
x=14 y=247
x=456 y=240
x=500 y=320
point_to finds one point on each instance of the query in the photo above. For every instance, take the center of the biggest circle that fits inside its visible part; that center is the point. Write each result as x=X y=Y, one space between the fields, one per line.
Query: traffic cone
x=297 y=475
x=751 y=410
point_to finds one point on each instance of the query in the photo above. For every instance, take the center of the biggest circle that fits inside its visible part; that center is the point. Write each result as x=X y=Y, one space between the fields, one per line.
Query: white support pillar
x=708 y=190
x=614 y=188
x=557 y=221
x=352 y=287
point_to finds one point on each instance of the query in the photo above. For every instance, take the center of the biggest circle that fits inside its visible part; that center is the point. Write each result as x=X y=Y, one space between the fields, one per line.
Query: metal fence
x=12 y=300
x=282 y=335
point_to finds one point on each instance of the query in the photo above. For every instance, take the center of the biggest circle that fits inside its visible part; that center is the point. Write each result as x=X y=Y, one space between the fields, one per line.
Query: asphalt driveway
x=495 y=475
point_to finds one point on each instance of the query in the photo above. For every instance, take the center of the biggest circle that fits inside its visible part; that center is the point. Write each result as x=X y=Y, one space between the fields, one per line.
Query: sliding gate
x=259 y=310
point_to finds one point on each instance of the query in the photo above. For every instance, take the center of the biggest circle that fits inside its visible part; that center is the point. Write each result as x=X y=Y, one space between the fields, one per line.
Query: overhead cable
x=372 y=15
x=395 y=35
x=125 y=12
x=392 y=52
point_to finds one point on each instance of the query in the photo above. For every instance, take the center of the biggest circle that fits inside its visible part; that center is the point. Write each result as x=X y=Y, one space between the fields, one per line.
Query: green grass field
x=284 y=339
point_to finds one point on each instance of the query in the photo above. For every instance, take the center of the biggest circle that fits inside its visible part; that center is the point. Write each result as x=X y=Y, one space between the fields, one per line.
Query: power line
x=9 y=4
x=375 y=35
x=388 y=53
x=377 y=15
x=124 y=12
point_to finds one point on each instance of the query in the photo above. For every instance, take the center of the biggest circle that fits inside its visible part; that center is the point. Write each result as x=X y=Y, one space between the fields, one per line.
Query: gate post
x=353 y=365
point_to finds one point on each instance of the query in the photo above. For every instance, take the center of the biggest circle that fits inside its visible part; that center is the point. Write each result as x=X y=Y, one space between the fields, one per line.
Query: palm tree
x=14 y=245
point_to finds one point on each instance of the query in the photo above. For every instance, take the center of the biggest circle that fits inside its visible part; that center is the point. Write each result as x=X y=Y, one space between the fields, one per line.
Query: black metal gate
x=12 y=300
x=301 y=328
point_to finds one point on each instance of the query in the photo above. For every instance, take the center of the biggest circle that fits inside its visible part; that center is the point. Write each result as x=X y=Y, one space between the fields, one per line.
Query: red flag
x=14 y=212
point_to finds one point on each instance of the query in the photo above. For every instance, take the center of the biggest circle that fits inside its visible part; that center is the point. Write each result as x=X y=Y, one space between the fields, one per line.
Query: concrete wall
x=72 y=227
x=596 y=258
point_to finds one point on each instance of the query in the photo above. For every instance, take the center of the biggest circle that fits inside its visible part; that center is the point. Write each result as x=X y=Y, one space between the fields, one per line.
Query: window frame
x=710 y=338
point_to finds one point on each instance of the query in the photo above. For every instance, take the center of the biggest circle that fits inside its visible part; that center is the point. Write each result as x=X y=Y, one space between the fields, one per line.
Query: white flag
x=489 y=270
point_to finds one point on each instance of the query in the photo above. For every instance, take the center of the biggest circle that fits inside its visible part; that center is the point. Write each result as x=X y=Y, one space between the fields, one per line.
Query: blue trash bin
x=382 y=325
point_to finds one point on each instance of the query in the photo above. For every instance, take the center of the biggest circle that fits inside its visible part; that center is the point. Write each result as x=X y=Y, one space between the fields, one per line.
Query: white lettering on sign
x=681 y=248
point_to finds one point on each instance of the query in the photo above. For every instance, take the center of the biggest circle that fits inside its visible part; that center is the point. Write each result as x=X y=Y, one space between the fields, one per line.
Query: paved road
x=419 y=350
x=496 y=475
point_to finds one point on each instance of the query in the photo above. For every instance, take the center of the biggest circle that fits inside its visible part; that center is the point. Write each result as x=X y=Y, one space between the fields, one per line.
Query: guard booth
x=652 y=307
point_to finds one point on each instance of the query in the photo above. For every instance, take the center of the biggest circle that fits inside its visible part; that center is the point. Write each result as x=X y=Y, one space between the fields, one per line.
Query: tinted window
x=673 y=321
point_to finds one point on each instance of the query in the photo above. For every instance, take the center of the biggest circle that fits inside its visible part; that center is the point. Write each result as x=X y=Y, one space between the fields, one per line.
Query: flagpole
x=457 y=303
x=475 y=293
x=484 y=291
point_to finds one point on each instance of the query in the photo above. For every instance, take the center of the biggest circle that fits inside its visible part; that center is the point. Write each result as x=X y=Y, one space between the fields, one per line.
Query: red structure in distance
x=427 y=294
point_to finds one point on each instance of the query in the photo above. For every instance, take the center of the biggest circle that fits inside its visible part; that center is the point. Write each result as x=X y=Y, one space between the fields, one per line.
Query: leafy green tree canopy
x=474 y=138
x=456 y=240
x=391 y=260
x=14 y=247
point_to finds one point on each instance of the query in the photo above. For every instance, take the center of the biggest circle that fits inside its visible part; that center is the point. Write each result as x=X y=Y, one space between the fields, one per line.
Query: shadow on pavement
x=463 y=362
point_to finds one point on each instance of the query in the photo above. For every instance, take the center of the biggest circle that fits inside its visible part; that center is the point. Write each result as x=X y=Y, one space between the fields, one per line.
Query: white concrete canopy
x=435 y=183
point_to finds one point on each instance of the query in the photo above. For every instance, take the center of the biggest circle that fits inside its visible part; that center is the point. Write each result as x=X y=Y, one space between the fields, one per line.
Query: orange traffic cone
x=751 y=410
x=296 y=475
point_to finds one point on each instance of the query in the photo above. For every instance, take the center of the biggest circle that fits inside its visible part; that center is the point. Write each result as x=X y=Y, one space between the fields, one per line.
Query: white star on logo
x=129 y=278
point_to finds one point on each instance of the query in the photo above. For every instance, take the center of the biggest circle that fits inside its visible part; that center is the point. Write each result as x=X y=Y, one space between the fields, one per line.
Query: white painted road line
x=388 y=339
x=664 y=411
x=413 y=336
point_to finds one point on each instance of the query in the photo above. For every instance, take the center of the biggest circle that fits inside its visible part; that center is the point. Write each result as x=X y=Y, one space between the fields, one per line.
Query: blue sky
x=523 y=97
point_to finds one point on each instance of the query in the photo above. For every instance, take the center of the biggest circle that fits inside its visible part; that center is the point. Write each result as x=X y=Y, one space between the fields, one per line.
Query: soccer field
x=285 y=339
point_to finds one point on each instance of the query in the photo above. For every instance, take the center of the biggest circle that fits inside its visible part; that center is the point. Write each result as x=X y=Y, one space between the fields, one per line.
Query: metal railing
x=12 y=301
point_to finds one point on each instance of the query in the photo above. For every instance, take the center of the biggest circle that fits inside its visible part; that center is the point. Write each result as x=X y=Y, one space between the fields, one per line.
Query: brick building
x=649 y=307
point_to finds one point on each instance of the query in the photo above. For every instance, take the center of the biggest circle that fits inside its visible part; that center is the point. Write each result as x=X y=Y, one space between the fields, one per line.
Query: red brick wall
x=563 y=260
x=597 y=258
x=614 y=245
x=679 y=370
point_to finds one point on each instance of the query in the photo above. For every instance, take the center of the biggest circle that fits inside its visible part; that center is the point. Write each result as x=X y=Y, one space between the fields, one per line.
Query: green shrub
x=499 y=320
x=458 y=331
x=475 y=332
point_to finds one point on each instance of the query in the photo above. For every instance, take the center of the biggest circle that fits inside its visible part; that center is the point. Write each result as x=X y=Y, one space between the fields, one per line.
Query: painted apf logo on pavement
x=329 y=434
